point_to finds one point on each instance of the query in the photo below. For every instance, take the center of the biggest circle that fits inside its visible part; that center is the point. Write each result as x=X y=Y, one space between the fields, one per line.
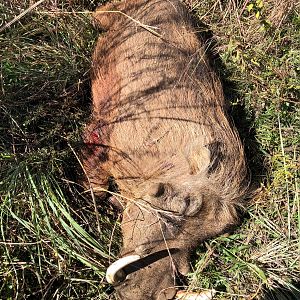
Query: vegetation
x=55 y=239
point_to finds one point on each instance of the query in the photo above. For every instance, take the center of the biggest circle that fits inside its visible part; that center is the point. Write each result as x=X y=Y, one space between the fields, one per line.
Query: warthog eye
x=160 y=190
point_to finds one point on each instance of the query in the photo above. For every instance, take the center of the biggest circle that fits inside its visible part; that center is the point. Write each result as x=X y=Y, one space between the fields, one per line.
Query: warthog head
x=159 y=231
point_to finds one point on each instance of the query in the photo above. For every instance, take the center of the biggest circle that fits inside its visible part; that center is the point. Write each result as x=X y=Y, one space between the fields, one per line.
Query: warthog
x=159 y=128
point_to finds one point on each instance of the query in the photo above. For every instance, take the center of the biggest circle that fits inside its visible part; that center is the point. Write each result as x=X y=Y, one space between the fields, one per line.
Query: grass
x=51 y=244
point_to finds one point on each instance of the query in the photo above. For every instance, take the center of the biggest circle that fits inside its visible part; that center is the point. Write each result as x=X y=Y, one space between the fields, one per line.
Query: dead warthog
x=160 y=130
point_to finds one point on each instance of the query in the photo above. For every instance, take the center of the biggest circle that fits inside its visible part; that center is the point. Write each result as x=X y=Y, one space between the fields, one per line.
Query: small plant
x=257 y=8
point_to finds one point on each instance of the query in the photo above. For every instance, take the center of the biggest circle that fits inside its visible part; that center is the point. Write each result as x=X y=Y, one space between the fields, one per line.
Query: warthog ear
x=106 y=15
x=199 y=159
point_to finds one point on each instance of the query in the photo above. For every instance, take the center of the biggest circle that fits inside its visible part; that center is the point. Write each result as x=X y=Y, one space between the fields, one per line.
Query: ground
x=55 y=239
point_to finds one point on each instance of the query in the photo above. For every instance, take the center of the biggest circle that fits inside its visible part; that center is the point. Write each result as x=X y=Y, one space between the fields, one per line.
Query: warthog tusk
x=184 y=295
x=115 y=269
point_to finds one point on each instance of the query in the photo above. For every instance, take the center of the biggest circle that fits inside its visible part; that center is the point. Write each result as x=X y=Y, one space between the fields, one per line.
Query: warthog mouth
x=120 y=269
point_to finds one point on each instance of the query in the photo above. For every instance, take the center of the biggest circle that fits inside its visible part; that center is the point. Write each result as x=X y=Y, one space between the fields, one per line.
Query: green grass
x=260 y=54
x=51 y=244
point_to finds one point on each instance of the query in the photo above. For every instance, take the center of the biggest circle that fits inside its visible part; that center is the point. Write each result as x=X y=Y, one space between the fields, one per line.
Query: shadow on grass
x=283 y=293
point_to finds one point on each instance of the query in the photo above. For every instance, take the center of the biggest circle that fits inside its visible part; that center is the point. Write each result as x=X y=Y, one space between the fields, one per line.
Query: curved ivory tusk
x=184 y=295
x=113 y=270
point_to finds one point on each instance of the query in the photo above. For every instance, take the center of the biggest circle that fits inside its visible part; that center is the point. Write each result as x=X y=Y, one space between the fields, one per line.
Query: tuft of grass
x=51 y=243
x=258 y=45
